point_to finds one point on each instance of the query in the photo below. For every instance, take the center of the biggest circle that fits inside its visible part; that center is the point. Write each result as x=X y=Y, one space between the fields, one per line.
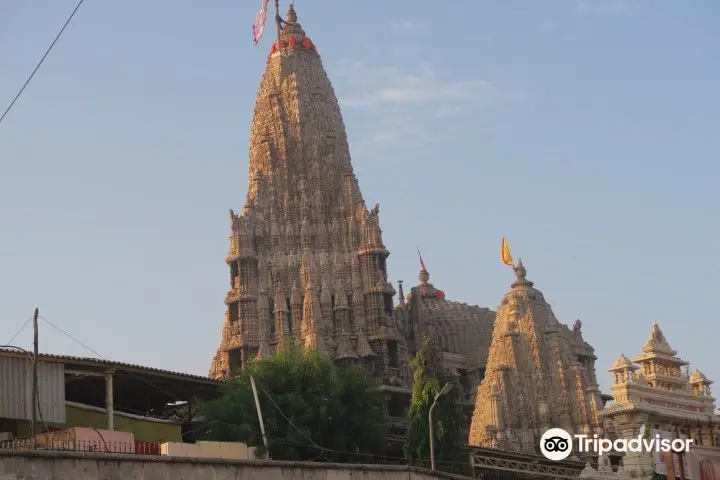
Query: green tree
x=308 y=403
x=448 y=417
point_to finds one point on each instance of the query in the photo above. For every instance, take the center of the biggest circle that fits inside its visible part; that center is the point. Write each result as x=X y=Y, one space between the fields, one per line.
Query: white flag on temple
x=260 y=21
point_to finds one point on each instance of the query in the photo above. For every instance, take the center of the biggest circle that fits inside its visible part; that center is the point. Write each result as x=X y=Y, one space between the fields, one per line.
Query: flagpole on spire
x=422 y=263
x=278 y=21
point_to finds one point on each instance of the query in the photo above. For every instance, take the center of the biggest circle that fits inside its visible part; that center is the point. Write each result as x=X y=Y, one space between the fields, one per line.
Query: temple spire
x=424 y=276
x=521 y=275
x=305 y=227
x=291 y=15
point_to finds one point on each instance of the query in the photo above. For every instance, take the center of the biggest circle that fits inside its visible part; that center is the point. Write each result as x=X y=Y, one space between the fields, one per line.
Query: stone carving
x=308 y=265
x=652 y=390
x=307 y=260
x=460 y=332
x=545 y=370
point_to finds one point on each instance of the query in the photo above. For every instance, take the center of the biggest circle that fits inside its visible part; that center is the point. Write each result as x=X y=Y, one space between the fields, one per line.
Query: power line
x=119 y=407
x=159 y=389
x=277 y=407
x=174 y=396
x=311 y=444
x=71 y=337
x=19 y=331
x=37 y=67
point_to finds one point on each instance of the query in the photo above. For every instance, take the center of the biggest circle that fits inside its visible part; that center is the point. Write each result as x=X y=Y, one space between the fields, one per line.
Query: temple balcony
x=231 y=343
x=238 y=293
x=235 y=330
x=232 y=256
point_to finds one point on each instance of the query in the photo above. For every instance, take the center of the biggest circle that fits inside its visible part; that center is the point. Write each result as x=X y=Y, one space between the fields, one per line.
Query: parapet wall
x=37 y=465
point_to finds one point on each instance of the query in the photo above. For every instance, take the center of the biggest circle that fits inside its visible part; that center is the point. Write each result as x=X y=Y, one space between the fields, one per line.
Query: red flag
x=260 y=21
x=422 y=264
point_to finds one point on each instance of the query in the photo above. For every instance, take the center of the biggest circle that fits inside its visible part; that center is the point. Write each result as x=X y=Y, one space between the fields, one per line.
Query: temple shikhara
x=307 y=259
x=308 y=264
x=539 y=375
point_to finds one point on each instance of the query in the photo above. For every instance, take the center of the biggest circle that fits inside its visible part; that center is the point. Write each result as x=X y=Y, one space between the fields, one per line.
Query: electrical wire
x=19 y=331
x=37 y=67
x=290 y=422
x=277 y=439
x=143 y=379
x=66 y=334
x=70 y=337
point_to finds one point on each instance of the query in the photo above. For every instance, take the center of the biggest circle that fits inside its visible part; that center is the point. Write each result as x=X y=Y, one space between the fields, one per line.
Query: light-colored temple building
x=307 y=259
x=652 y=393
x=308 y=263
x=540 y=374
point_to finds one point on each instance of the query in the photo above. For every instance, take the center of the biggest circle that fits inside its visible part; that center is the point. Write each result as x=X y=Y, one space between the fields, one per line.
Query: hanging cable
x=19 y=331
x=37 y=67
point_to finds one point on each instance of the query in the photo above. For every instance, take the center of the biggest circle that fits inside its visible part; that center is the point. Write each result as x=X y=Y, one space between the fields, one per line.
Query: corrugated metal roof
x=106 y=364
x=17 y=388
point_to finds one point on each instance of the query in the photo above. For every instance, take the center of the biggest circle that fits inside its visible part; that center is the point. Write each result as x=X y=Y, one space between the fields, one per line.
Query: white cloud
x=407 y=102
x=374 y=87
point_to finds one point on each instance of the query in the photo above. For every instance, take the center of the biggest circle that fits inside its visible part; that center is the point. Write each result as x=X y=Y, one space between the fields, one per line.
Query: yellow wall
x=143 y=430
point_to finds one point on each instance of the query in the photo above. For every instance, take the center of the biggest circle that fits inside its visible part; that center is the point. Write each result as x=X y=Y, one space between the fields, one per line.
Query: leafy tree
x=448 y=417
x=309 y=404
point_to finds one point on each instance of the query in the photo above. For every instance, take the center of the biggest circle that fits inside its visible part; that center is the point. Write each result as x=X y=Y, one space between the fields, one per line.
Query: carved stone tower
x=307 y=260
x=539 y=375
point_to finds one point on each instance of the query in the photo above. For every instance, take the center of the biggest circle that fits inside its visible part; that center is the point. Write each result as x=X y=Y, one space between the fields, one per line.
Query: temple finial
x=577 y=327
x=521 y=275
x=424 y=276
x=520 y=270
x=291 y=14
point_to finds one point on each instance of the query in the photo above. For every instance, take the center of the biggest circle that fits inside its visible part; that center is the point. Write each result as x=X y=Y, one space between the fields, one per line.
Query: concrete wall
x=144 y=429
x=97 y=466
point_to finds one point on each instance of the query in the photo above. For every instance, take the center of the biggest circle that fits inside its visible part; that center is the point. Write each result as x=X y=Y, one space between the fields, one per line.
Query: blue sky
x=583 y=130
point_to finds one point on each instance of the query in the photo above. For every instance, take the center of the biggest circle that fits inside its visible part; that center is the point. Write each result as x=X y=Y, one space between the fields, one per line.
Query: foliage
x=448 y=417
x=309 y=404
x=648 y=431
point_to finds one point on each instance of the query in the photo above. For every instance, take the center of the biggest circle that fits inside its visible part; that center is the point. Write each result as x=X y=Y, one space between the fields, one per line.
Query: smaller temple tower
x=539 y=375
x=659 y=363
x=653 y=394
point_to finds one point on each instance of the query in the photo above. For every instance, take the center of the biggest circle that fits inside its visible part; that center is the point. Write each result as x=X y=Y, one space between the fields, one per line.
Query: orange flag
x=505 y=254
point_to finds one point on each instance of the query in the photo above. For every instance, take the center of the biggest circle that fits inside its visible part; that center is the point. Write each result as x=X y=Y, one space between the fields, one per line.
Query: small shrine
x=656 y=396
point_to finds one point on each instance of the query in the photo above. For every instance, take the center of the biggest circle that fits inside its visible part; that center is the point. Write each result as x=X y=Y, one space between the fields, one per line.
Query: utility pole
x=448 y=386
x=35 y=376
x=259 y=414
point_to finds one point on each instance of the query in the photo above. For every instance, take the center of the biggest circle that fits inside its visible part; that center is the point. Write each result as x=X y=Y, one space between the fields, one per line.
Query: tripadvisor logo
x=557 y=444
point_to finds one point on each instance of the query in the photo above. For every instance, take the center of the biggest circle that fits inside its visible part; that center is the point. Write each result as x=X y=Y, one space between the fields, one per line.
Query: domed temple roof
x=461 y=329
